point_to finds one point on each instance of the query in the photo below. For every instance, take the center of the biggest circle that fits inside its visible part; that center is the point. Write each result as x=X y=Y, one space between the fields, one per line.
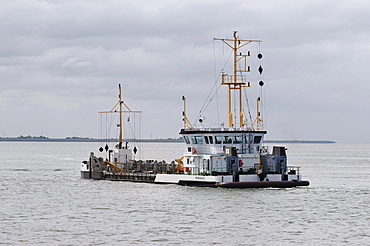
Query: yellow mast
x=120 y=117
x=187 y=124
x=235 y=81
x=121 y=104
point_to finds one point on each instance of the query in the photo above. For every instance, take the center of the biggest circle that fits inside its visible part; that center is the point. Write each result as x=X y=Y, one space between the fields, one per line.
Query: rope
x=216 y=80
x=247 y=102
x=101 y=129
x=214 y=88
x=262 y=91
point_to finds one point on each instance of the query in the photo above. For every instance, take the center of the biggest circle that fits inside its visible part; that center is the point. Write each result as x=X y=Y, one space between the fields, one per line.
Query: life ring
x=193 y=150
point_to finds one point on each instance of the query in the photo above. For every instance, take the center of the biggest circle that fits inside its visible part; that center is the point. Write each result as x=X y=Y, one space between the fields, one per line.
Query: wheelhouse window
x=210 y=139
x=227 y=140
x=196 y=140
x=257 y=139
x=218 y=139
x=248 y=139
x=186 y=138
x=237 y=139
x=199 y=139
x=206 y=139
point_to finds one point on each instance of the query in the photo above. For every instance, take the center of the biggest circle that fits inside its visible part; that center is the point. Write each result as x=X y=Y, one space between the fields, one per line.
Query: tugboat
x=231 y=156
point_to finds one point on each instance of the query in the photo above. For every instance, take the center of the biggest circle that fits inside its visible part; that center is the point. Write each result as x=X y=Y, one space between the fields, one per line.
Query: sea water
x=45 y=202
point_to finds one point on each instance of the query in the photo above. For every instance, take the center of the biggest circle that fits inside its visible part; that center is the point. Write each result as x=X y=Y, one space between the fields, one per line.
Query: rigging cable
x=135 y=129
x=216 y=79
x=262 y=91
x=247 y=102
x=101 y=129
x=108 y=127
x=209 y=97
x=139 y=143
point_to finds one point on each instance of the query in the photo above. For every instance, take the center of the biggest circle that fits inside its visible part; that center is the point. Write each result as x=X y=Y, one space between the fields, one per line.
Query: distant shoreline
x=169 y=140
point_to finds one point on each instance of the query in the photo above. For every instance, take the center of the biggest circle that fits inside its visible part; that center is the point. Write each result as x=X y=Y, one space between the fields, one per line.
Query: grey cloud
x=74 y=53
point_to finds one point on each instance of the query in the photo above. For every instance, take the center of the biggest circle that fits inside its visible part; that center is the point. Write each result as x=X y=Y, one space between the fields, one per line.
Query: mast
x=235 y=81
x=121 y=104
x=120 y=117
x=187 y=124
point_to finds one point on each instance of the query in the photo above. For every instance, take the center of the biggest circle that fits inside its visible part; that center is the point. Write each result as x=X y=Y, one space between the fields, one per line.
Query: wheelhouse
x=215 y=141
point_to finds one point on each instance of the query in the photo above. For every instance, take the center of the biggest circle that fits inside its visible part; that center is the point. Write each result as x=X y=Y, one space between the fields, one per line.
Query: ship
x=231 y=155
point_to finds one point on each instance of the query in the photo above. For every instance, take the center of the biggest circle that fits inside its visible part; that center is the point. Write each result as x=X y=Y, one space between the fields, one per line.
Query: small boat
x=231 y=156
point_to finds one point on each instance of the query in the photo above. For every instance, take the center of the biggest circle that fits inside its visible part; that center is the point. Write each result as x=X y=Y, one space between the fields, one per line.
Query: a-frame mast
x=235 y=81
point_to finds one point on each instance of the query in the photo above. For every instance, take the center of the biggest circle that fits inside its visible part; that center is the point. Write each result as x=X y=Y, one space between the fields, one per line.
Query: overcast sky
x=61 y=63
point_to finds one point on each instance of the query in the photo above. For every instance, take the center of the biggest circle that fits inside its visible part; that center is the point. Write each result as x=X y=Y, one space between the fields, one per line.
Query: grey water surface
x=45 y=202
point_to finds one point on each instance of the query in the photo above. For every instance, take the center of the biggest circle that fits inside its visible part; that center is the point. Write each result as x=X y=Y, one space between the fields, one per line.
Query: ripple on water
x=45 y=202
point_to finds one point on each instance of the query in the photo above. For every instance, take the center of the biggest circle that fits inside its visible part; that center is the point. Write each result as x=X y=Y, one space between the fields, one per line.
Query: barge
x=231 y=156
